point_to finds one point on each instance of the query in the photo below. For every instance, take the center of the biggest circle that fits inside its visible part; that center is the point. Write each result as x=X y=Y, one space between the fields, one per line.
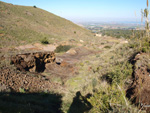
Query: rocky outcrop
x=33 y=62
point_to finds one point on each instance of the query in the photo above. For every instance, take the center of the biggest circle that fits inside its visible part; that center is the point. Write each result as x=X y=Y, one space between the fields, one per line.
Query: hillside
x=24 y=24
x=75 y=72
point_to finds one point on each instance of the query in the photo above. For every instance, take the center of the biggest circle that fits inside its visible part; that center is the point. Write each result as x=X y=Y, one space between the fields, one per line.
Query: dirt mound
x=17 y=82
x=33 y=62
x=139 y=92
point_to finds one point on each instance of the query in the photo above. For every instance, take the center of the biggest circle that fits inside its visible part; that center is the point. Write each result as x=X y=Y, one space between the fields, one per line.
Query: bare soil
x=37 y=46
x=14 y=81
x=22 y=77
x=139 y=91
x=66 y=64
x=80 y=52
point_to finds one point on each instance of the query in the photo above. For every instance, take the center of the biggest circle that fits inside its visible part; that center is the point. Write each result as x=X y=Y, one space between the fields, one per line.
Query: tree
x=34 y=6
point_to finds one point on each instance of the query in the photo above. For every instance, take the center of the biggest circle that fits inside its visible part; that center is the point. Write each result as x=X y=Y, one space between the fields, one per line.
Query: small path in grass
x=37 y=46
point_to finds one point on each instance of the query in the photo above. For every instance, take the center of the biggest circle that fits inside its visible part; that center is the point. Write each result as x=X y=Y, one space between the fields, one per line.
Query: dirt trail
x=37 y=46
x=80 y=52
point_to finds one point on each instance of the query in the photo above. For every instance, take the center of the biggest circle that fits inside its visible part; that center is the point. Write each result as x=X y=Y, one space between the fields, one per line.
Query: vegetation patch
x=107 y=47
x=45 y=41
x=113 y=97
x=63 y=48
x=119 y=74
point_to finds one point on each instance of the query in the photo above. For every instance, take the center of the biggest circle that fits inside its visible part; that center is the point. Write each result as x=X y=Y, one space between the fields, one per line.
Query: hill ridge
x=29 y=24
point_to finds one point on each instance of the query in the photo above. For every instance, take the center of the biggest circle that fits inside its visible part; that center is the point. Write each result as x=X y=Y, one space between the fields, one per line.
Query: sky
x=89 y=10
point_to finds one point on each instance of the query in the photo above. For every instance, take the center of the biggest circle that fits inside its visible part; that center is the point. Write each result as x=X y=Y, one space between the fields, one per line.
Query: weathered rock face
x=33 y=62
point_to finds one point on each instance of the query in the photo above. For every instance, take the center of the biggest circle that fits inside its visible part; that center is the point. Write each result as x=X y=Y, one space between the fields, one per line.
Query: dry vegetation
x=21 y=24
x=89 y=74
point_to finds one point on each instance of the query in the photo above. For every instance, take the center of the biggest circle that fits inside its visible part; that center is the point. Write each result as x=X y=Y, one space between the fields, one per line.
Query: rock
x=72 y=40
x=59 y=60
x=81 y=41
x=99 y=35
x=33 y=61
x=4 y=88
x=71 y=52
x=124 y=42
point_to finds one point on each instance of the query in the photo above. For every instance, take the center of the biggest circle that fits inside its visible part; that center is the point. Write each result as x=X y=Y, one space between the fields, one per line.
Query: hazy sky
x=89 y=10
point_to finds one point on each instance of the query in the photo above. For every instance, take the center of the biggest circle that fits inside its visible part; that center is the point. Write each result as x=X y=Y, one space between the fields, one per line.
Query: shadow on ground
x=30 y=103
x=80 y=104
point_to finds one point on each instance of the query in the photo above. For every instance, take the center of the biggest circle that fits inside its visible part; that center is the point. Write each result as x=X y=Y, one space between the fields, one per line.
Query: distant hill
x=26 y=24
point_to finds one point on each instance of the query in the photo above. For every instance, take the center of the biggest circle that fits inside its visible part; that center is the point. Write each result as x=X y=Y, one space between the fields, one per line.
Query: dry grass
x=22 y=24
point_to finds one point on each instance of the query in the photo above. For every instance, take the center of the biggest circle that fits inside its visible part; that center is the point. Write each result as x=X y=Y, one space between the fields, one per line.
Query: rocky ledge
x=33 y=62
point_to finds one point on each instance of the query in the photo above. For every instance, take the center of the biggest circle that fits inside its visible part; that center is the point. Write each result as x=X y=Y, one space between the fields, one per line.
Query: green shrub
x=144 y=50
x=146 y=44
x=34 y=6
x=94 y=82
x=119 y=73
x=113 y=98
x=133 y=45
x=21 y=90
x=102 y=100
x=62 y=48
x=1 y=31
x=45 y=41
x=82 y=64
x=107 y=47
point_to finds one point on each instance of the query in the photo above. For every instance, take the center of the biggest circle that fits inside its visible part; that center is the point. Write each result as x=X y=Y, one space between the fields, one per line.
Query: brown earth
x=38 y=47
x=43 y=64
x=33 y=72
x=75 y=55
x=139 y=91
x=14 y=81
x=65 y=64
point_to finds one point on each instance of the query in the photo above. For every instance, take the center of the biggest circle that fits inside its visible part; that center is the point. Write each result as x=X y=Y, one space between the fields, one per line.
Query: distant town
x=114 y=29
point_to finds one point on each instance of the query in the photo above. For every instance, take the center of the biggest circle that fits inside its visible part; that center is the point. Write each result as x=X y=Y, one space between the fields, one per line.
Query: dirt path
x=37 y=46
x=79 y=53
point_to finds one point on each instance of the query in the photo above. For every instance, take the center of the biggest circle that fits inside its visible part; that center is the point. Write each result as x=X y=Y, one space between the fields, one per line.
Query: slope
x=26 y=24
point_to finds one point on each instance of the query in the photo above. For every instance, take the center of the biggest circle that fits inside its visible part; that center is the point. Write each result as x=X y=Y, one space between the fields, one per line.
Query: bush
x=133 y=45
x=144 y=50
x=62 y=48
x=113 y=97
x=45 y=41
x=119 y=73
x=107 y=47
x=34 y=6
x=103 y=100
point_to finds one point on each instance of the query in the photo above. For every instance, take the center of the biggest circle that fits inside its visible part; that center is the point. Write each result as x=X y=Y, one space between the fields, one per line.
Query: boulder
x=33 y=62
